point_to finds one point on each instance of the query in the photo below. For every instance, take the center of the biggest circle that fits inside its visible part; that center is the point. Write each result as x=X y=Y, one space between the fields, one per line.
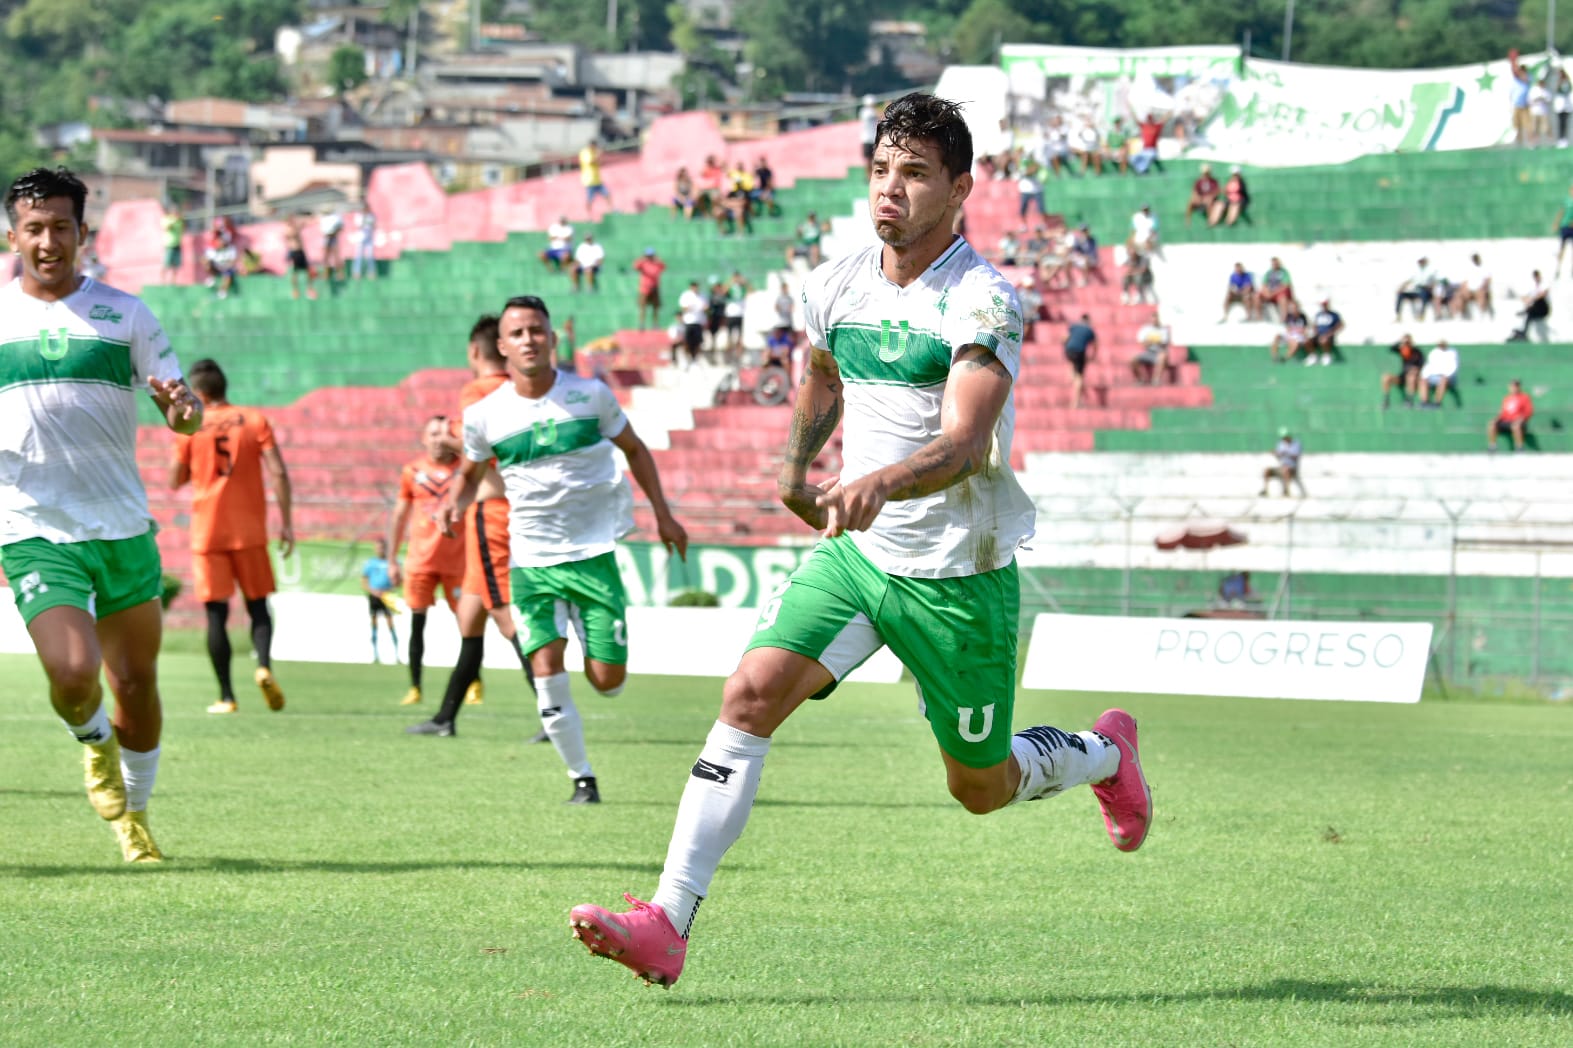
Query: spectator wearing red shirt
x=1203 y=192
x=649 y=267
x=1513 y=419
x=1149 y=130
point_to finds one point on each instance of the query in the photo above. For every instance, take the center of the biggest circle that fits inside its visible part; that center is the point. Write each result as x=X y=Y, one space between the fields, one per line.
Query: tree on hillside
x=984 y=26
x=346 y=68
x=805 y=45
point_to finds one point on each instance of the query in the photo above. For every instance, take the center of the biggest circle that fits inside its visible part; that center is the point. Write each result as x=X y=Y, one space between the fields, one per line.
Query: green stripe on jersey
x=55 y=356
x=891 y=354
x=546 y=438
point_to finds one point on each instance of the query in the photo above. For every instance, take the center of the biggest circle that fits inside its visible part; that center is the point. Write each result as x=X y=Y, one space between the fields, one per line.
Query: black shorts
x=1504 y=426
x=734 y=324
x=376 y=606
x=1078 y=361
x=1567 y=233
x=298 y=261
x=693 y=336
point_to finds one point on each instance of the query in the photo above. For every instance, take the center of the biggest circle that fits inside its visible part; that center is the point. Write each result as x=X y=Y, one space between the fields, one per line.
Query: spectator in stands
x=1146 y=158
x=222 y=260
x=332 y=226
x=715 y=312
x=295 y=245
x=1407 y=377
x=1518 y=98
x=1294 y=337
x=587 y=260
x=1287 y=470
x=1440 y=375
x=1231 y=204
x=868 y=130
x=1056 y=145
x=1031 y=304
x=559 y=244
x=1475 y=290
x=1540 y=111
x=738 y=210
x=1325 y=329
x=1010 y=248
x=1144 y=231
x=1564 y=228
x=590 y=176
x=1081 y=345
x=783 y=306
x=1277 y=290
x=1562 y=105
x=1136 y=281
x=364 y=264
x=1235 y=590
x=1083 y=256
x=736 y=292
x=1204 y=192
x=1242 y=291
x=684 y=198
x=763 y=197
x=1050 y=256
x=173 y=232
x=1513 y=418
x=1116 y=145
x=677 y=337
x=1537 y=307
x=649 y=267
x=693 y=307
x=1420 y=289
x=1150 y=364
x=807 y=247
x=1087 y=144
x=1029 y=188
x=712 y=178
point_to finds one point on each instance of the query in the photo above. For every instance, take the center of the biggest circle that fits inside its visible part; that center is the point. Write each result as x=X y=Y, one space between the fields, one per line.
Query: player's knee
x=605 y=678
x=74 y=680
x=978 y=798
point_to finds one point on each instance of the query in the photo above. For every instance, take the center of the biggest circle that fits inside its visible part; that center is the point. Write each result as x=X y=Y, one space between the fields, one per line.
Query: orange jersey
x=477 y=388
x=423 y=483
x=229 y=510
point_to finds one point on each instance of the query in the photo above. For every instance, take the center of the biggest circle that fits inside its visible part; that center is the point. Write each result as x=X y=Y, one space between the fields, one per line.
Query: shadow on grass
x=179 y=864
x=7 y=791
x=1455 y=1000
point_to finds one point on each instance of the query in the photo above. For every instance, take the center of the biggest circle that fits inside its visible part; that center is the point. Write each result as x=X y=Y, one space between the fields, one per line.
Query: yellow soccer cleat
x=136 y=841
x=224 y=706
x=475 y=694
x=106 y=790
x=411 y=697
x=272 y=694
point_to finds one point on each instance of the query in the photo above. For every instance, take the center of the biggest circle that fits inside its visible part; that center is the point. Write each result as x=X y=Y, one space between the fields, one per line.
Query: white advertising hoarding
x=1349 y=661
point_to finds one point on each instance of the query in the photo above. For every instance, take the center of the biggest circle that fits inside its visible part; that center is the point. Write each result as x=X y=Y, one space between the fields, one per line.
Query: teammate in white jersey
x=917 y=343
x=552 y=434
x=76 y=537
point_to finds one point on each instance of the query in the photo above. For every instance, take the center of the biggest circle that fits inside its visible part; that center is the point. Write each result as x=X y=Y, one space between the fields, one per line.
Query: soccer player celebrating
x=915 y=345
x=224 y=463
x=433 y=558
x=552 y=434
x=76 y=537
x=484 y=589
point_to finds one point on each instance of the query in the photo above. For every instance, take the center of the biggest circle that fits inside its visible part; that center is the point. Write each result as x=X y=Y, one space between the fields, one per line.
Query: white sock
x=1053 y=761
x=95 y=731
x=139 y=770
x=710 y=818
x=560 y=718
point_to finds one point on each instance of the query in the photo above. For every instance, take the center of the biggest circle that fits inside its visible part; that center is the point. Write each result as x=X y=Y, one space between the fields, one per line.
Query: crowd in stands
x=732 y=195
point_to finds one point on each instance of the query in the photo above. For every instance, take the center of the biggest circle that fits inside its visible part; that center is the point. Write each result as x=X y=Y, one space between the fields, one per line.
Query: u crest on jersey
x=50 y=349
x=886 y=353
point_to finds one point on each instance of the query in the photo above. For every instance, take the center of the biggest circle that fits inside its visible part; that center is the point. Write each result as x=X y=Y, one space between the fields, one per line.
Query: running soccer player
x=552 y=434
x=224 y=462
x=484 y=590
x=433 y=559
x=917 y=340
x=76 y=537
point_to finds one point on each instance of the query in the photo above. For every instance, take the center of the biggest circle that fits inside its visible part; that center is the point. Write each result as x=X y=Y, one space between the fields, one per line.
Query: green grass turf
x=1319 y=874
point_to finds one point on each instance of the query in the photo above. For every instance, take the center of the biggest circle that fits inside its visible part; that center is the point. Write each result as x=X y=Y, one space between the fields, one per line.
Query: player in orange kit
x=484 y=591
x=224 y=462
x=432 y=559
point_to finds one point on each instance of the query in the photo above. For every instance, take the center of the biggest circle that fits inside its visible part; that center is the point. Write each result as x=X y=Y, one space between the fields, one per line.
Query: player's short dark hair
x=41 y=183
x=483 y=336
x=207 y=378
x=534 y=302
x=437 y=418
x=920 y=116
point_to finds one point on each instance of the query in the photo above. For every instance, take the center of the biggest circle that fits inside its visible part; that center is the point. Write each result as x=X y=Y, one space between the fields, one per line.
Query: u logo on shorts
x=964 y=723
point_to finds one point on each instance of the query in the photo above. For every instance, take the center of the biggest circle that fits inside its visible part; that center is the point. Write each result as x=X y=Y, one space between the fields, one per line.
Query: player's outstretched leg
x=642 y=939
x=106 y=786
x=1126 y=799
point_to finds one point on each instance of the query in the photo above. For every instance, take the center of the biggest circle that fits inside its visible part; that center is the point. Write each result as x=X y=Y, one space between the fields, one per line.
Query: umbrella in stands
x=1198 y=534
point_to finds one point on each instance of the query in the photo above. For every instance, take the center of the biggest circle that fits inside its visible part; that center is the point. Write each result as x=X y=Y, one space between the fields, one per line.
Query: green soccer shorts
x=956 y=635
x=587 y=593
x=100 y=576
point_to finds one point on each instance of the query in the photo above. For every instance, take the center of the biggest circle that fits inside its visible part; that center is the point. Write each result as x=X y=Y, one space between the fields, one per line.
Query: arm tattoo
x=934 y=467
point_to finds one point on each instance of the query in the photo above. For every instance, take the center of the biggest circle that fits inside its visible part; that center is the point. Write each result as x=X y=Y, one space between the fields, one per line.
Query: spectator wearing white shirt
x=1475 y=290
x=1540 y=111
x=1287 y=471
x=1150 y=364
x=364 y=262
x=1440 y=375
x=559 y=244
x=1029 y=188
x=1056 y=145
x=587 y=259
x=1088 y=145
x=1420 y=288
x=1144 y=231
x=693 y=305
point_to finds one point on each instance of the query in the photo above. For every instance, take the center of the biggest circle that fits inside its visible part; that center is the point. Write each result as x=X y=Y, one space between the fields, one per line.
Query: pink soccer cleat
x=642 y=940
x=1126 y=799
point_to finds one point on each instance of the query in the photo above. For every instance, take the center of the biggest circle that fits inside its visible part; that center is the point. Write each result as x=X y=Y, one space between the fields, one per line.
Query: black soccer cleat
x=438 y=728
x=584 y=792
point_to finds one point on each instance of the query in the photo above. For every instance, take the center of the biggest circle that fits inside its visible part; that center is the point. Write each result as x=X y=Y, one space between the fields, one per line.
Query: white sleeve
x=985 y=312
x=477 y=448
x=151 y=354
x=613 y=419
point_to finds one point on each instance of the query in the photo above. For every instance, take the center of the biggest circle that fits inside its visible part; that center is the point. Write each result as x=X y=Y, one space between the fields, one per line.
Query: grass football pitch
x=1318 y=874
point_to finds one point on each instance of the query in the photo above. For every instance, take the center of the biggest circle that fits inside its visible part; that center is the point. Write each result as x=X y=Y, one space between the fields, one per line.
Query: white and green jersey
x=894 y=347
x=70 y=372
x=567 y=500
